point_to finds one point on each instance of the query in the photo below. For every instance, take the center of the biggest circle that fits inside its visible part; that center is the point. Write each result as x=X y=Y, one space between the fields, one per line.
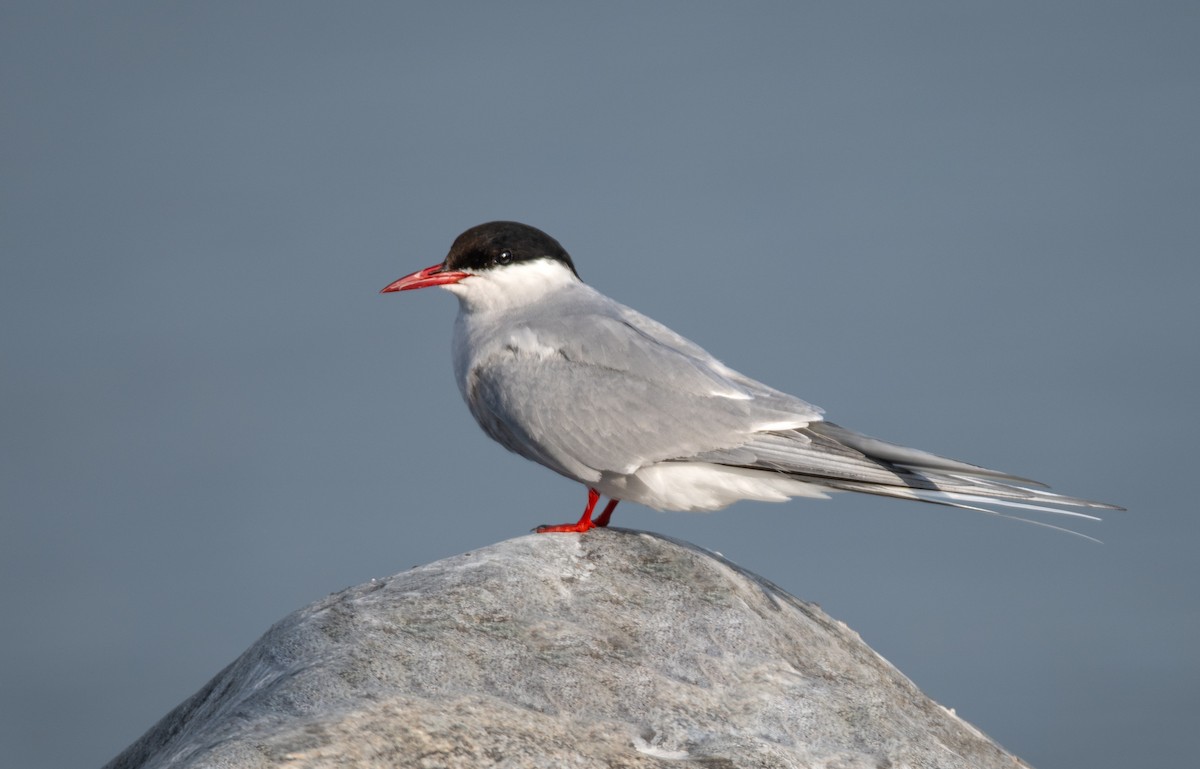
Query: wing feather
x=830 y=455
x=581 y=420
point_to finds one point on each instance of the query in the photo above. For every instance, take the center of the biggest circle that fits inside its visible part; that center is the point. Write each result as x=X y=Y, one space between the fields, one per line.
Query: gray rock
x=614 y=649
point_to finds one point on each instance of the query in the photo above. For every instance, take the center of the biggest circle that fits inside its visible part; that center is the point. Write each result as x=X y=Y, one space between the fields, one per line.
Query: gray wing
x=830 y=455
x=596 y=387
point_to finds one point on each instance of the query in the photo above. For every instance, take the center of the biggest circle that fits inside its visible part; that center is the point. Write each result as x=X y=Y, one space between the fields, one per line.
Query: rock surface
x=611 y=649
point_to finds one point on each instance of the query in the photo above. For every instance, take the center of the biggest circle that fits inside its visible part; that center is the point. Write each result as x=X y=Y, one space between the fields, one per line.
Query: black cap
x=496 y=244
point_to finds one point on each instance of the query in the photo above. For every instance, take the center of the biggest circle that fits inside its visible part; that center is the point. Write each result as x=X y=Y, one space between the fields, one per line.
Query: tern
x=561 y=374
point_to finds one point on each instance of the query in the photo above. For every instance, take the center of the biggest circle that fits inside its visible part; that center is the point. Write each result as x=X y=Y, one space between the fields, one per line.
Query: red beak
x=430 y=276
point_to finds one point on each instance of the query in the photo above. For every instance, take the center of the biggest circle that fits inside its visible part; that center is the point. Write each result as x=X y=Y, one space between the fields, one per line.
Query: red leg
x=585 y=522
x=603 y=519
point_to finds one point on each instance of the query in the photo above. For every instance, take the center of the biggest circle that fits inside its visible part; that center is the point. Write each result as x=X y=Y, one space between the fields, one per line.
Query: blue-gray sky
x=973 y=228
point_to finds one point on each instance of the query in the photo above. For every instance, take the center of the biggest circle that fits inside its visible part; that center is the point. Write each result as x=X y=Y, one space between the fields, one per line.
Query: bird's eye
x=504 y=258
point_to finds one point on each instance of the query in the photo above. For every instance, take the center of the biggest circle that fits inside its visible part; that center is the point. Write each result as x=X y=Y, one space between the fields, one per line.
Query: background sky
x=971 y=228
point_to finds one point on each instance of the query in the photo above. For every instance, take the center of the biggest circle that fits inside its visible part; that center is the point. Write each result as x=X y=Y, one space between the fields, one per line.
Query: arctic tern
x=567 y=377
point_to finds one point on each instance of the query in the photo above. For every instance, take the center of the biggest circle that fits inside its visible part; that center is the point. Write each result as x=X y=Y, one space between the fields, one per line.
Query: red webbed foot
x=585 y=521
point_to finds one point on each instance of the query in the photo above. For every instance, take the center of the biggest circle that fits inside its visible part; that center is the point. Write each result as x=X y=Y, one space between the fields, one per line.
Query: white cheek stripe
x=515 y=285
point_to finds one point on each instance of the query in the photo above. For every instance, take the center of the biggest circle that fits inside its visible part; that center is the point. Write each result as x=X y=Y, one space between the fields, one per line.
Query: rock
x=614 y=648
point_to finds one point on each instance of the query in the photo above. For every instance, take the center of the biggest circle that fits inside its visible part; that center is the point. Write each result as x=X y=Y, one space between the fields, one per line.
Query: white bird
x=567 y=377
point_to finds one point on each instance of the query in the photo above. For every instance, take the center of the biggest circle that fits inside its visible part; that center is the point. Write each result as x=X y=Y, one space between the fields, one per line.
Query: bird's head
x=498 y=263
